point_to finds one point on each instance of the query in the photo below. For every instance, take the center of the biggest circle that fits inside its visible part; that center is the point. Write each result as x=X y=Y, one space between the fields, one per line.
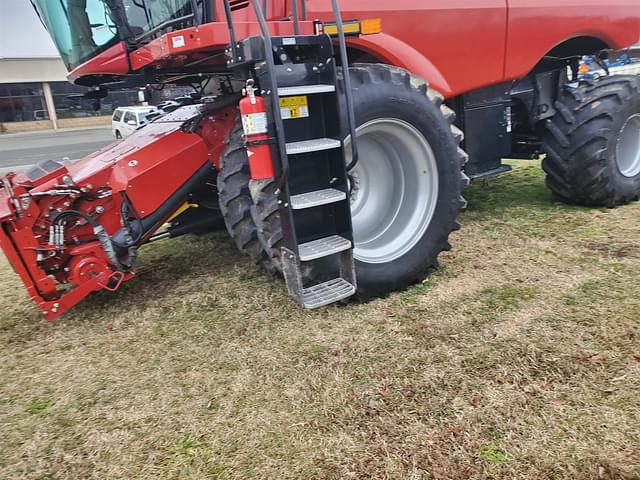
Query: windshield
x=80 y=28
x=145 y=17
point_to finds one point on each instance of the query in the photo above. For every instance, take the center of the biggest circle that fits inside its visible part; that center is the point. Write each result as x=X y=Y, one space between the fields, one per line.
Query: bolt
x=67 y=204
x=67 y=180
x=89 y=186
x=99 y=209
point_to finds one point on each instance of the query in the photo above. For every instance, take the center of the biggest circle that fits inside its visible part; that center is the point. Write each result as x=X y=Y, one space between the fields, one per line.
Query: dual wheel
x=593 y=143
x=406 y=186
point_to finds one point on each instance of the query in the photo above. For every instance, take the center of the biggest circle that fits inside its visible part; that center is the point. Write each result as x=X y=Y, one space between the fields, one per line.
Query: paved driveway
x=20 y=150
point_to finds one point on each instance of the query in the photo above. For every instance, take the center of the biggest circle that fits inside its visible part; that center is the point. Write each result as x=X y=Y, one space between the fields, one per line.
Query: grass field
x=519 y=359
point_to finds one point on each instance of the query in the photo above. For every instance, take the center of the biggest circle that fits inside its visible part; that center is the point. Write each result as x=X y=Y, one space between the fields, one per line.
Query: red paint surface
x=463 y=45
x=536 y=26
x=457 y=45
x=111 y=62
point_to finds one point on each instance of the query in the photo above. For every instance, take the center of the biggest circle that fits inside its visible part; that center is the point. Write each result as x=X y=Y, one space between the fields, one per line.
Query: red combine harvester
x=346 y=180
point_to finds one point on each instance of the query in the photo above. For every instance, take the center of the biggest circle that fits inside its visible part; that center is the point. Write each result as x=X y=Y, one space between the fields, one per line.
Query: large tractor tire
x=236 y=203
x=593 y=143
x=406 y=187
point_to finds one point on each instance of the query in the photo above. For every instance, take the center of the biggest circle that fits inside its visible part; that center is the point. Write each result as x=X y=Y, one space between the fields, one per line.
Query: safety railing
x=260 y=8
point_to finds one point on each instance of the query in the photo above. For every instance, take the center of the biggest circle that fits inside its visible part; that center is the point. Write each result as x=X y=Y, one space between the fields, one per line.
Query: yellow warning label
x=294 y=107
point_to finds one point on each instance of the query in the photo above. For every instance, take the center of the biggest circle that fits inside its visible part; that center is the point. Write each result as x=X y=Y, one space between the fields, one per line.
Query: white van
x=127 y=119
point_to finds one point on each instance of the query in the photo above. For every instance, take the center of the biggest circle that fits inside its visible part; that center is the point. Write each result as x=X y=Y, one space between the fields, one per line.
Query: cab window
x=117 y=115
x=80 y=28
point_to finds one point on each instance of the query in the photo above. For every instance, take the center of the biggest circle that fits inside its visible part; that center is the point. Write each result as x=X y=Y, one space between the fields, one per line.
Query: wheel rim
x=394 y=192
x=628 y=148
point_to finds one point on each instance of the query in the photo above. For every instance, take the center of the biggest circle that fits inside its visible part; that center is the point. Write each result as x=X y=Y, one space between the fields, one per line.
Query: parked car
x=126 y=120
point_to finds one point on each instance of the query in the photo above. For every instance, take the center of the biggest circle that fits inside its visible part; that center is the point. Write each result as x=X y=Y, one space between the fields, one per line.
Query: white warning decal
x=177 y=41
x=254 y=123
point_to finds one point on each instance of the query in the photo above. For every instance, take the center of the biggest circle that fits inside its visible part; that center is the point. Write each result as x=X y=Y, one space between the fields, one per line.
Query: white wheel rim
x=628 y=147
x=395 y=189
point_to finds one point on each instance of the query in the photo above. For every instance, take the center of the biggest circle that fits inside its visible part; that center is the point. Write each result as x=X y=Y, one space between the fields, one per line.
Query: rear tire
x=593 y=143
x=399 y=116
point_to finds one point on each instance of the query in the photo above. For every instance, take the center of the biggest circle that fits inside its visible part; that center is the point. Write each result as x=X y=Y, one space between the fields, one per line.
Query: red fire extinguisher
x=254 y=123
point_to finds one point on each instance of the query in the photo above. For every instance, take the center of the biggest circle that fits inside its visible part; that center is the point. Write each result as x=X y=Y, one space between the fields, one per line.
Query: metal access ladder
x=298 y=77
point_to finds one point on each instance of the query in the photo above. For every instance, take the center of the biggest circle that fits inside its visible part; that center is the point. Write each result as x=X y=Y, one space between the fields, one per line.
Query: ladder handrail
x=303 y=9
x=232 y=31
x=275 y=98
x=351 y=118
x=294 y=14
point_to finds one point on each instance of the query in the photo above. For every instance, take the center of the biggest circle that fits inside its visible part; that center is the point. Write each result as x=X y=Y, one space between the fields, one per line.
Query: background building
x=33 y=87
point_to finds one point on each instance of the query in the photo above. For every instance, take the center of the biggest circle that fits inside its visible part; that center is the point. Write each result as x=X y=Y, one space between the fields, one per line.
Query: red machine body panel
x=457 y=45
x=463 y=45
x=537 y=26
x=173 y=48
x=112 y=62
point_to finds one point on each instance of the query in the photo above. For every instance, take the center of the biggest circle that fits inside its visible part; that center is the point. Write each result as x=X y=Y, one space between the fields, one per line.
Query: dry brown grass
x=520 y=359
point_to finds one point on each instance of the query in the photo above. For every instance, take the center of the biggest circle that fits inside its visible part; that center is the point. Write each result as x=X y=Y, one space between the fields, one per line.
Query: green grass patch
x=37 y=407
x=493 y=455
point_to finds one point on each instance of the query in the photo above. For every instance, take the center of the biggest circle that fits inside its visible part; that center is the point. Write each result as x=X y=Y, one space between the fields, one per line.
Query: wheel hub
x=394 y=190
x=628 y=148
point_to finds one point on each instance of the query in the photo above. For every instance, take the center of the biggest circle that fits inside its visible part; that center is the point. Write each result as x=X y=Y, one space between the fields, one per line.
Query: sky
x=21 y=33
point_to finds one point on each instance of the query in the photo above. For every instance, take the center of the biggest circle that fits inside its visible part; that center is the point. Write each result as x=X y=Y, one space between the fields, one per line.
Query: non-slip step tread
x=317 y=198
x=323 y=247
x=314 y=145
x=305 y=90
x=326 y=293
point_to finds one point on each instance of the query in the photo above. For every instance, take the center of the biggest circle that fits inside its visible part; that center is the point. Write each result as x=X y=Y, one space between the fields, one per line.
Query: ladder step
x=327 y=293
x=315 y=145
x=323 y=247
x=317 y=198
x=305 y=90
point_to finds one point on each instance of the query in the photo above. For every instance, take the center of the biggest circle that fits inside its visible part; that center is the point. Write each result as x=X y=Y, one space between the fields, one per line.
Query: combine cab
x=346 y=179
